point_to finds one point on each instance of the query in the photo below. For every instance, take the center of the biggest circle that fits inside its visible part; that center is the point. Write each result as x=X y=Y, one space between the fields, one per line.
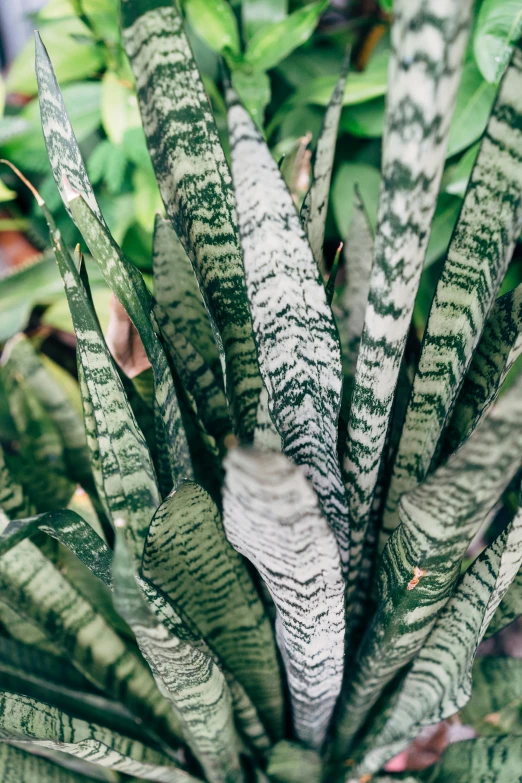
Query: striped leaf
x=351 y=306
x=510 y=607
x=13 y=501
x=428 y=41
x=482 y=760
x=17 y=766
x=440 y=679
x=130 y=289
x=420 y=565
x=188 y=558
x=495 y=704
x=187 y=677
x=498 y=349
x=291 y=763
x=195 y=184
x=28 y=720
x=315 y=206
x=298 y=345
x=481 y=248
x=176 y=289
x=128 y=481
x=271 y=516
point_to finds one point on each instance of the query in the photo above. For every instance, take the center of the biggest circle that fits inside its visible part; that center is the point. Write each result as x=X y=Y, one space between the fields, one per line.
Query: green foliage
x=191 y=522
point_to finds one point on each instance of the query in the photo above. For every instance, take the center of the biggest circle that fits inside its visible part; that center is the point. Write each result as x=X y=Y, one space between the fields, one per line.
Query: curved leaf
x=271 y=516
x=195 y=184
x=498 y=27
x=298 y=346
x=17 y=766
x=477 y=261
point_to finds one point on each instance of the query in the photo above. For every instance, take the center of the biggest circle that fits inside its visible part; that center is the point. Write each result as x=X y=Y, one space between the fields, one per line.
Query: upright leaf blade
x=195 y=184
x=298 y=346
x=272 y=517
x=420 y=101
x=488 y=228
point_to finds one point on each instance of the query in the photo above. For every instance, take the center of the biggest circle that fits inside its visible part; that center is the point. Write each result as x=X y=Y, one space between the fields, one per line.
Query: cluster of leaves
x=135 y=640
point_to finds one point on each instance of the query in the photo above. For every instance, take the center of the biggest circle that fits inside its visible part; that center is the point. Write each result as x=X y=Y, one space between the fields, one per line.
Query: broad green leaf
x=477 y=260
x=315 y=206
x=439 y=518
x=176 y=290
x=348 y=176
x=351 y=304
x=215 y=23
x=74 y=59
x=291 y=763
x=472 y=109
x=130 y=289
x=499 y=347
x=195 y=185
x=253 y=87
x=445 y=218
x=23 y=719
x=299 y=358
x=498 y=27
x=187 y=677
x=261 y=13
x=495 y=706
x=510 y=607
x=188 y=558
x=482 y=760
x=119 y=107
x=360 y=87
x=273 y=43
x=413 y=160
x=17 y=766
x=365 y=120
x=266 y=437
x=272 y=517
x=456 y=177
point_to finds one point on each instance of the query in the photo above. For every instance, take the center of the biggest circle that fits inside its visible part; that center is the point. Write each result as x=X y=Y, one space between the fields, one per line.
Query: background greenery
x=284 y=57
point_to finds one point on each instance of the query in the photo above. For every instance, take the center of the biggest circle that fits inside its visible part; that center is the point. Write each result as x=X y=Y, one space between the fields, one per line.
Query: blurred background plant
x=284 y=57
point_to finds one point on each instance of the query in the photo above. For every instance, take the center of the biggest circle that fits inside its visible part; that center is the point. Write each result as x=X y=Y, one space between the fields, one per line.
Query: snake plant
x=206 y=572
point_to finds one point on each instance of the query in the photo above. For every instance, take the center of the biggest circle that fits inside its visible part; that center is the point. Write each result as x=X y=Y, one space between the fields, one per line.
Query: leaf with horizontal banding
x=195 y=184
x=315 y=205
x=272 y=517
x=129 y=287
x=439 y=519
x=350 y=307
x=176 y=289
x=482 y=760
x=18 y=766
x=480 y=251
x=297 y=341
x=13 y=501
x=75 y=534
x=510 y=607
x=188 y=558
x=187 y=677
x=496 y=696
x=439 y=681
x=24 y=719
x=498 y=349
x=428 y=42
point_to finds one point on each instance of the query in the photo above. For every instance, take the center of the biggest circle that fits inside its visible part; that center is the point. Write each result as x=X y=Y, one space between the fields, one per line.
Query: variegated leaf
x=176 y=289
x=510 y=607
x=195 y=184
x=421 y=563
x=298 y=345
x=481 y=760
x=498 y=349
x=315 y=206
x=188 y=678
x=18 y=766
x=489 y=225
x=189 y=559
x=28 y=720
x=13 y=501
x=496 y=696
x=428 y=42
x=439 y=681
x=271 y=516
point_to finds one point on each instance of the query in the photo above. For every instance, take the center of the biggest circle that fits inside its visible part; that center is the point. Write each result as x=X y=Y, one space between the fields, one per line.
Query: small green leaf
x=215 y=23
x=498 y=27
x=253 y=87
x=261 y=13
x=364 y=120
x=273 y=43
x=472 y=109
x=119 y=107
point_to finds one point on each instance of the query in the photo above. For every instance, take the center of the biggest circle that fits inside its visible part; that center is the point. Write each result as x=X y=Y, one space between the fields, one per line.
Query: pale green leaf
x=498 y=27
x=495 y=706
x=472 y=109
x=17 y=766
x=261 y=13
x=215 y=23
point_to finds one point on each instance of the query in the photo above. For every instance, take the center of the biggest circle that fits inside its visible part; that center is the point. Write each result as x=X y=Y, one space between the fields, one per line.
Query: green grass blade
x=297 y=340
x=480 y=251
x=188 y=558
x=195 y=184
x=428 y=42
x=439 y=520
x=272 y=518
x=187 y=677
x=315 y=206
